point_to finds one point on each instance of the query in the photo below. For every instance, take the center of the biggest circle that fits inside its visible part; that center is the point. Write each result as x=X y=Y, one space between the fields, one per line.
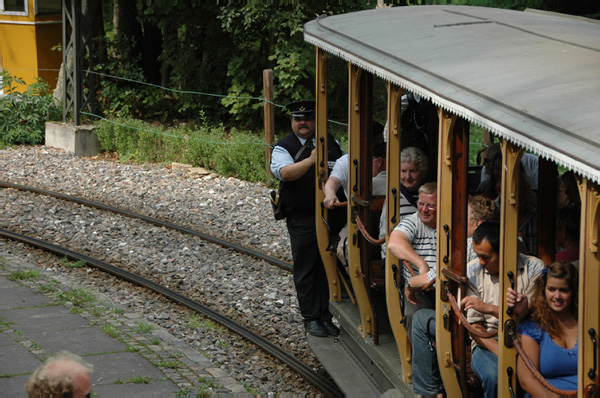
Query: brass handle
x=447 y=231
x=355 y=187
x=322 y=140
x=592 y=372
x=394 y=195
x=511 y=277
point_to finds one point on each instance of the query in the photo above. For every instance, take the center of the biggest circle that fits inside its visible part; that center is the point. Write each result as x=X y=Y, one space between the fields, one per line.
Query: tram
x=532 y=80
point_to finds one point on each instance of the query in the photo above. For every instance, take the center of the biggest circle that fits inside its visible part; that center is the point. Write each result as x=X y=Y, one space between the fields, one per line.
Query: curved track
x=313 y=377
x=151 y=220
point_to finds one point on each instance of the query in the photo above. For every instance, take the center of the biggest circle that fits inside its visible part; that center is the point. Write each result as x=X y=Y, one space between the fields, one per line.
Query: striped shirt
x=423 y=240
x=406 y=209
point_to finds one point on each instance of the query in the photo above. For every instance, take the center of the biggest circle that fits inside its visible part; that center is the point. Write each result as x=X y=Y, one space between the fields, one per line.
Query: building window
x=18 y=7
x=47 y=7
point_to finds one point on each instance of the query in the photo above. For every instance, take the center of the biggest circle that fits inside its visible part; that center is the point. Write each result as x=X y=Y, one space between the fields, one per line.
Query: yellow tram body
x=554 y=114
x=28 y=31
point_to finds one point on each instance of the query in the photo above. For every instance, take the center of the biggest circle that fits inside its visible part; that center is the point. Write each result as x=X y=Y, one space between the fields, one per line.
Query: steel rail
x=152 y=220
x=313 y=377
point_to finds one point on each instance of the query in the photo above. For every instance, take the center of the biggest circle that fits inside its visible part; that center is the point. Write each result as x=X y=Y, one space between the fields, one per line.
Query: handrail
x=453 y=275
x=408 y=267
x=366 y=234
x=466 y=323
x=538 y=376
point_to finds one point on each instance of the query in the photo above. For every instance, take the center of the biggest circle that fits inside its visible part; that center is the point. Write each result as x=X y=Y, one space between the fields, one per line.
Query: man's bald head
x=62 y=374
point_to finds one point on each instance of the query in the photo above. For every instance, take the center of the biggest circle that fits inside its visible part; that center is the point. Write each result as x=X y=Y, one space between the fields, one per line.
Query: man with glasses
x=414 y=242
x=293 y=163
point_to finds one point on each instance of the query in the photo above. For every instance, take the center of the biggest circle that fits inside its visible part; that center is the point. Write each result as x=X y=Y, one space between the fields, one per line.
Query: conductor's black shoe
x=331 y=329
x=315 y=327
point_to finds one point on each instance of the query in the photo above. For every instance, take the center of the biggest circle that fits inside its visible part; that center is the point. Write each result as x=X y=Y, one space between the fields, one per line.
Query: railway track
x=154 y=221
x=313 y=377
x=303 y=370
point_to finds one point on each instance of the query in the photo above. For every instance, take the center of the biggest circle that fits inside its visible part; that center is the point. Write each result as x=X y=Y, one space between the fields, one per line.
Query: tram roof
x=530 y=77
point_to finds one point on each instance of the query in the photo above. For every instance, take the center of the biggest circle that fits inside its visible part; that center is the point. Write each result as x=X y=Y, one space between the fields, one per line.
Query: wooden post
x=269 y=115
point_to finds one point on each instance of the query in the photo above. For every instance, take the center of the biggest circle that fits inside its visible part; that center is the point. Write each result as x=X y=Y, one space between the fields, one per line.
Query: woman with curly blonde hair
x=549 y=335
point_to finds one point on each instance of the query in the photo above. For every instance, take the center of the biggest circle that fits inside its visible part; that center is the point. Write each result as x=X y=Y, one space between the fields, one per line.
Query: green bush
x=23 y=114
x=234 y=153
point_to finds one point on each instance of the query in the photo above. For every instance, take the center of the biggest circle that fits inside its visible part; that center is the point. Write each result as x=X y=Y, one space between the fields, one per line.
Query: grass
x=251 y=389
x=110 y=330
x=6 y=323
x=24 y=275
x=36 y=347
x=194 y=322
x=169 y=364
x=139 y=379
x=209 y=383
x=210 y=325
x=70 y=264
x=231 y=153
x=50 y=287
x=223 y=344
x=143 y=327
x=11 y=375
x=97 y=311
x=78 y=297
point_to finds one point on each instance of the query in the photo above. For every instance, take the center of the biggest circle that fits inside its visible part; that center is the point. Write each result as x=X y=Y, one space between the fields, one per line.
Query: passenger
x=427 y=381
x=63 y=375
x=297 y=173
x=339 y=175
x=567 y=192
x=479 y=209
x=568 y=221
x=339 y=178
x=527 y=231
x=549 y=336
x=414 y=241
x=529 y=162
x=413 y=169
x=481 y=302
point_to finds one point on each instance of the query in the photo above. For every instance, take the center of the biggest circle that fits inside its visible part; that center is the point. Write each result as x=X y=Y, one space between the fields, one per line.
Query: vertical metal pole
x=76 y=46
x=76 y=37
x=269 y=121
x=66 y=71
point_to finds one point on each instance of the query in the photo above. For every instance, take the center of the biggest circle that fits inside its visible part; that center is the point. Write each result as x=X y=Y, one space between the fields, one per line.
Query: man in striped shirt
x=414 y=241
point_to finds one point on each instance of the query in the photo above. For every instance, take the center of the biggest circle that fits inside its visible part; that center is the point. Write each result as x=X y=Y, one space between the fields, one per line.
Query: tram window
x=13 y=6
x=47 y=7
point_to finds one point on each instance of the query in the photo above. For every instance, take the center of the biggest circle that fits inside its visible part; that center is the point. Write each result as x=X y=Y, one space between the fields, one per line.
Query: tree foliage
x=221 y=48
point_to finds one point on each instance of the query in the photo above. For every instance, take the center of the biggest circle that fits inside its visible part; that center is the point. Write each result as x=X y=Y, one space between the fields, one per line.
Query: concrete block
x=180 y=166
x=79 y=140
x=197 y=171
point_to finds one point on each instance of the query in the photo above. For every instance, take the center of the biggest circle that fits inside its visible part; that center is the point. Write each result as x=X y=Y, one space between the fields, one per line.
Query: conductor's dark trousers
x=309 y=274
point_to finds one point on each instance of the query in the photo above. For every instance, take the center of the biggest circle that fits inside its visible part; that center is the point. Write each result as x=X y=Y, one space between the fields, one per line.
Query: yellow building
x=28 y=31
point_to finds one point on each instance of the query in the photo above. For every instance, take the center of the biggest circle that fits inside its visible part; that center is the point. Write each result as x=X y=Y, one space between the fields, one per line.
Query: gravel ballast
x=253 y=292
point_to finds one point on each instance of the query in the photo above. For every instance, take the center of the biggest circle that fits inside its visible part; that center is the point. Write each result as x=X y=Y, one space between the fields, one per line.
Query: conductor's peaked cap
x=301 y=108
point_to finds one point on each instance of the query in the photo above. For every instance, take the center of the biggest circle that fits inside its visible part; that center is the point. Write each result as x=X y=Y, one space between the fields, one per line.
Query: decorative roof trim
x=467 y=114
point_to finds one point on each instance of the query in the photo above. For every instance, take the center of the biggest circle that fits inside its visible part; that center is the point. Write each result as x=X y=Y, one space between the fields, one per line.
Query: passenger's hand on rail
x=518 y=301
x=330 y=201
x=471 y=302
x=411 y=296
